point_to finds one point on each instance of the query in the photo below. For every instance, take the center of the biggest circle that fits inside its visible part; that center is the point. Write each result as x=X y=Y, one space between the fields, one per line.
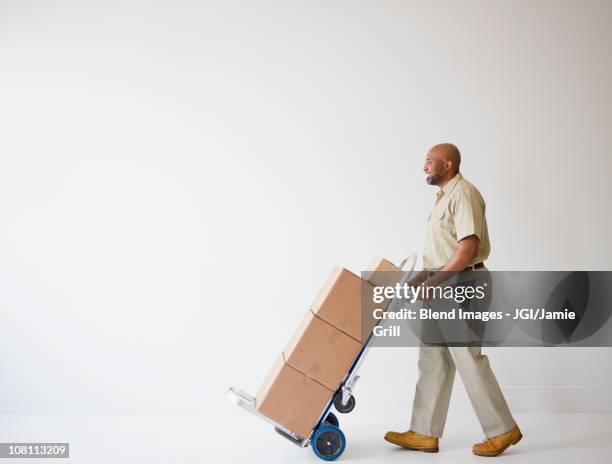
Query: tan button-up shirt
x=459 y=212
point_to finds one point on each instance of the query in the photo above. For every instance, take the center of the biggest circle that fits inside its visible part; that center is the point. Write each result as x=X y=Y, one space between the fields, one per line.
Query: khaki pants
x=437 y=367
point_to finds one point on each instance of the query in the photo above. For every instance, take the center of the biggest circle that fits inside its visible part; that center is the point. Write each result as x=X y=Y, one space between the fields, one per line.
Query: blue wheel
x=328 y=442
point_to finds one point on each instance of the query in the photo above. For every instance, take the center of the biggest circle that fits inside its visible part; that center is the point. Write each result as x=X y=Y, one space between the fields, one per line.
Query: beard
x=434 y=179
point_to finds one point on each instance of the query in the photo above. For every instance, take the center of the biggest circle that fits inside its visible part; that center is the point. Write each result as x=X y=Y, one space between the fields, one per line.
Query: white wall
x=178 y=178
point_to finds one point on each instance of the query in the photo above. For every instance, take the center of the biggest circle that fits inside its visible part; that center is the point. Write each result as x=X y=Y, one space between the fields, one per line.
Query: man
x=456 y=239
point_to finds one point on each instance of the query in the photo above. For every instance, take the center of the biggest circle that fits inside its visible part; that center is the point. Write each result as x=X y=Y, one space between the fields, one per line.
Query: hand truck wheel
x=328 y=442
x=331 y=419
x=344 y=408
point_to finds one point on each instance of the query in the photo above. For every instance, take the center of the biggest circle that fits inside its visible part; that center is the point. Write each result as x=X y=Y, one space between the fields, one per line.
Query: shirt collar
x=450 y=185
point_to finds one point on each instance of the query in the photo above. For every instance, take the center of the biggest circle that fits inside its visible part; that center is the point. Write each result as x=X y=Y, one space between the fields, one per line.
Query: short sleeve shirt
x=459 y=211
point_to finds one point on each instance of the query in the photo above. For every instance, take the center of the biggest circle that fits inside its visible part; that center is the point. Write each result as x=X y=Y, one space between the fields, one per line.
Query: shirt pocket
x=441 y=220
x=438 y=215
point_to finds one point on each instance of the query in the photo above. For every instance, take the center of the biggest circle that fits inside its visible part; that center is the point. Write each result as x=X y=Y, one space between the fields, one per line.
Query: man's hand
x=418 y=279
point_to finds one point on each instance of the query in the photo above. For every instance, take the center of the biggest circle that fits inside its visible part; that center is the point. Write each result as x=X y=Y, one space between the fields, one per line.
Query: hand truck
x=327 y=440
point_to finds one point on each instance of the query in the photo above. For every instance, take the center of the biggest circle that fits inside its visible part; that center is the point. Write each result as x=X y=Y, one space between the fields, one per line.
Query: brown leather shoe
x=494 y=446
x=413 y=440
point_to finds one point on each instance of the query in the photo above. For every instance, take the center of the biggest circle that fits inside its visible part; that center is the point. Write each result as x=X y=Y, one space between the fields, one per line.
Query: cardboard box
x=345 y=301
x=339 y=303
x=321 y=351
x=383 y=273
x=291 y=398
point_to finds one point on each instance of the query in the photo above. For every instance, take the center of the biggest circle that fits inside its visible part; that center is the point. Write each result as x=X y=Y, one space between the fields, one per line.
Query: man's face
x=434 y=168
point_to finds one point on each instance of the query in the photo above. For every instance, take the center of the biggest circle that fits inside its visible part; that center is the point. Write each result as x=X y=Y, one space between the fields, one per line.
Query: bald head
x=447 y=152
x=442 y=163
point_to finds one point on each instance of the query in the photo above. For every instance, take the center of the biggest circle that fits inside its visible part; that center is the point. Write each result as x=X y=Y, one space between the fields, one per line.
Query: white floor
x=229 y=434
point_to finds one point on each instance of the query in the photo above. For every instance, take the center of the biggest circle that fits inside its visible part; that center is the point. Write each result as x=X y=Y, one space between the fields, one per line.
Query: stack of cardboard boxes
x=318 y=356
